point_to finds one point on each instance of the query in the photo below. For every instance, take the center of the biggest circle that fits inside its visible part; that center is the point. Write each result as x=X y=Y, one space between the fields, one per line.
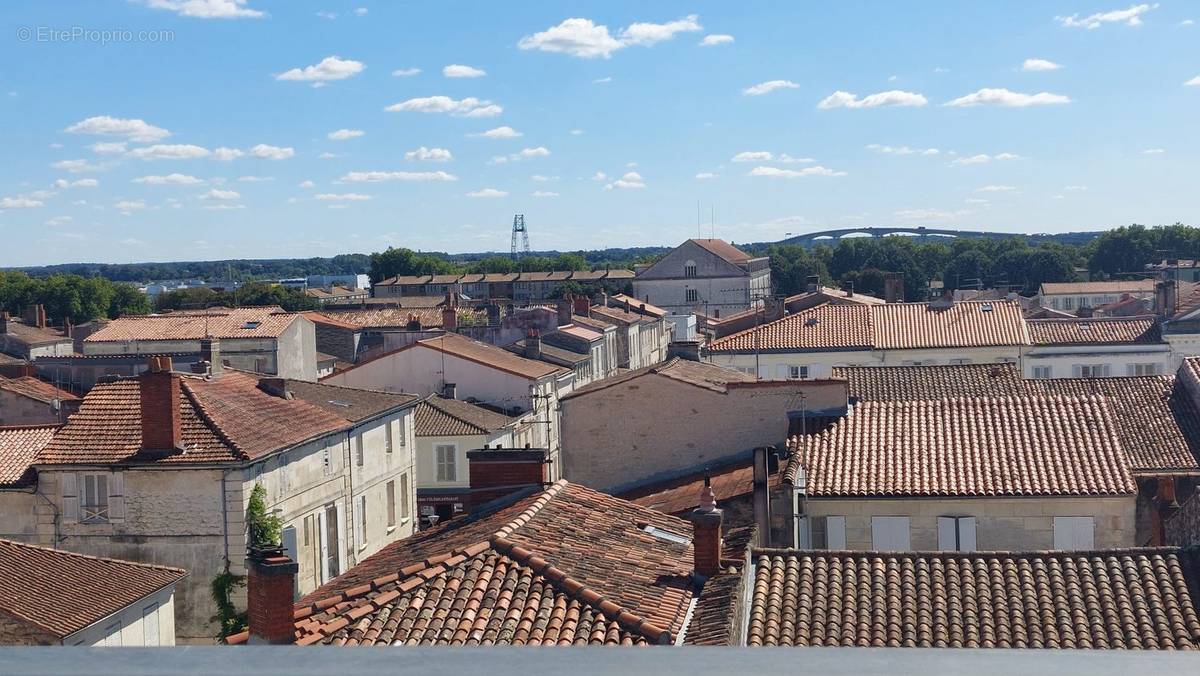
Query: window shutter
x=947 y=534
x=1076 y=370
x=116 y=496
x=781 y=371
x=835 y=532
x=70 y=497
x=966 y=534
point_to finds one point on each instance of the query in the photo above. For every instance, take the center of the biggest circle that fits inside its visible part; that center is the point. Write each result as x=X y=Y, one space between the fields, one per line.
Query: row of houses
x=515 y=286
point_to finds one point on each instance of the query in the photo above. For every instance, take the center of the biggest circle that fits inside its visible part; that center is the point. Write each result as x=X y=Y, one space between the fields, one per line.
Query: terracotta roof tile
x=473 y=350
x=438 y=417
x=1113 y=287
x=33 y=388
x=32 y=335
x=350 y=403
x=981 y=446
x=915 y=383
x=246 y=322
x=1093 y=331
x=565 y=566
x=888 y=326
x=59 y=593
x=19 y=446
x=700 y=374
x=1134 y=598
x=722 y=249
x=679 y=495
x=398 y=318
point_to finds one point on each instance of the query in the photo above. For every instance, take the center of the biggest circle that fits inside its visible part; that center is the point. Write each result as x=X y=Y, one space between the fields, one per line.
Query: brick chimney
x=1165 y=297
x=270 y=597
x=533 y=344
x=566 y=305
x=450 y=318
x=496 y=473
x=893 y=287
x=160 y=392
x=706 y=533
x=583 y=306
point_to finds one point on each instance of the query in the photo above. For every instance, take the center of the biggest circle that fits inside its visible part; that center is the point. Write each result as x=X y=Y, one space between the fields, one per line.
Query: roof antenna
x=699 y=232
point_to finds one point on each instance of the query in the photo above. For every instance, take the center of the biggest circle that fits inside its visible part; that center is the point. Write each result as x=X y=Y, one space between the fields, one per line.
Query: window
x=361 y=521
x=956 y=533
x=960 y=362
x=308 y=530
x=823 y=532
x=150 y=626
x=1043 y=372
x=112 y=635
x=798 y=372
x=889 y=533
x=690 y=296
x=285 y=479
x=327 y=461
x=1143 y=369
x=93 y=507
x=446 y=459
x=689 y=269
x=390 y=489
x=404 y=513
x=1074 y=532
x=1091 y=370
x=387 y=435
x=358 y=450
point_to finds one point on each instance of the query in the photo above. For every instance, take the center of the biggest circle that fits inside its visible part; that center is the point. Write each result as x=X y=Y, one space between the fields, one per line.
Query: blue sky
x=207 y=129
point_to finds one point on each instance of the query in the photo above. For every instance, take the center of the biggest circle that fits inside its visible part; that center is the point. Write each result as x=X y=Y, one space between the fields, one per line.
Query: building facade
x=709 y=276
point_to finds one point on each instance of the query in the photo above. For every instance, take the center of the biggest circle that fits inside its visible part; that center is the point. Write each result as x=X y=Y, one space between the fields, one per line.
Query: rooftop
x=699 y=374
x=679 y=495
x=57 y=593
x=32 y=335
x=398 y=318
x=19 y=446
x=33 y=388
x=438 y=417
x=1115 y=286
x=1132 y=598
x=489 y=355
x=1096 y=331
x=722 y=249
x=268 y=321
x=350 y=403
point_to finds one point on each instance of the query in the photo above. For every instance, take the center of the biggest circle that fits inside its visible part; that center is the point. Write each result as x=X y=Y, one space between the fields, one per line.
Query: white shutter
x=323 y=547
x=889 y=533
x=70 y=497
x=835 y=532
x=947 y=531
x=781 y=371
x=966 y=534
x=116 y=496
x=804 y=534
x=1077 y=370
x=1074 y=533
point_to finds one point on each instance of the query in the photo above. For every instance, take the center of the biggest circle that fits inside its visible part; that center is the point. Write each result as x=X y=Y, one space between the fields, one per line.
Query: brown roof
x=616 y=315
x=39 y=390
x=888 y=326
x=32 y=335
x=1132 y=598
x=680 y=494
x=392 y=317
x=329 y=320
x=58 y=593
x=969 y=447
x=1118 y=286
x=226 y=419
x=350 y=403
x=566 y=565
x=1095 y=331
x=438 y=417
x=489 y=355
x=700 y=374
x=915 y=383
x=639 y=306
x=410 y=280
x=246 y=322
x=723 y=249
x=19 y=446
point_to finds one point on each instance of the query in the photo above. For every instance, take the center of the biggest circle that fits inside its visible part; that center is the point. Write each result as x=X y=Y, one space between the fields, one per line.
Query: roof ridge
x=91 y=557
x=523 y=518
x=579 y=591
x=12 y=428
x=207 y=418
x=1059 y=553
x=444 y=411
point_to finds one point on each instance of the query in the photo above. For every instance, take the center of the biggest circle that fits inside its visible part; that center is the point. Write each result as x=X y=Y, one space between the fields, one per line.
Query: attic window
x=666 y=535
x=811 y=321
x=251 y=325
x=986 y=307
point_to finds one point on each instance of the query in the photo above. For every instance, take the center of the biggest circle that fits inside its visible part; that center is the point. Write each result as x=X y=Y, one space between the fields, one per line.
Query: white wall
x=820 y=364
x=149 y=622
x=1063 y=361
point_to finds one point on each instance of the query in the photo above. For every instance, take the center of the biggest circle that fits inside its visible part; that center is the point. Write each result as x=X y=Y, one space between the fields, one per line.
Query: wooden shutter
x=116 y=496
x=70 y=496
x=835 y=532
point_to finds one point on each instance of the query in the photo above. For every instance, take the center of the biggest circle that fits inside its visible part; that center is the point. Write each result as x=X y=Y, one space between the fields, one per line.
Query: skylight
x=666 y=535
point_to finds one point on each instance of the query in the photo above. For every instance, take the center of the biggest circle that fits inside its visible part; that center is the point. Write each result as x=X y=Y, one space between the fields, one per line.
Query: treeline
x=405 y=262
x=241 y=270
x=73 y=297
x=254 y=293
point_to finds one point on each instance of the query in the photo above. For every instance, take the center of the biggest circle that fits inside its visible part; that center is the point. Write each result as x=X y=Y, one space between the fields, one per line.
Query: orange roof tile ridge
x=531 y=511
x=208 y=419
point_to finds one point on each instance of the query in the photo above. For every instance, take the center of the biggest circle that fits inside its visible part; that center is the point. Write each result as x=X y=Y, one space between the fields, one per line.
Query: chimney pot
x=270 y=596
x=706 y=533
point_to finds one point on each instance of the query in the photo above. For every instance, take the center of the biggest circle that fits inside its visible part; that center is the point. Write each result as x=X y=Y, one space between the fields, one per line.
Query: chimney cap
x=708 y=498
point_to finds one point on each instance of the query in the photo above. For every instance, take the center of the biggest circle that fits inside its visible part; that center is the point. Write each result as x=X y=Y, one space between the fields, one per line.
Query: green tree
x=968 y=270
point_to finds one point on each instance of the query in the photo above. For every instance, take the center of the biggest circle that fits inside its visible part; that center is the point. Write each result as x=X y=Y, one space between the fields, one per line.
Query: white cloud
x=544 y=193
x=705 y=175
x=1129 y=17
x=630 y=181
x=223 y=206
x=343 y=134
x=895 y=97
x=939 y=70
x=378 y=176
x=1039 y=65
x=1076 y=188
x=81 y=183
x=224 y=195
x=1007 y=99
x=405 y=72
x=576 y=132
x=468 y=107
x=776 y=172
x=108 y=148
x=929 y=214
x=20 y=202
x=1194 y=82
x=487 y=192
x=458 y=70
x=58 y=220
x=329 y=69
x=169 y=152
x=768 y=87
x=602 y=80
x=1186 y=22
x=524 y=154
x=716 y=39
x=542 y=179
x=76 y=166
x=997 y=188
x=306 y=184
x=227 y=154
x=327 y=15
x=127 y=207
x=327 y=156
x=902 y=150
x=207 y=9
x=499 y=132
x=255 y=179
x=984 y=158
x=169 y=179
x=132 y=129
x=1154 y=151
x=584 y=39
x=429 y=154
x=360 y=11
x=600 y=176
x=754 y=156
x=266 y=152
x=342 y=197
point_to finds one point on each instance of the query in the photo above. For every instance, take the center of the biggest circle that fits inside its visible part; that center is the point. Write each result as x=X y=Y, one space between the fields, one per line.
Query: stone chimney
x=706 y=533
x=893 y=287
x=684 y=349
x=35 y=315
x=533 y=344
x=414 y=322
x=1165 y=297
x=566 y=305
x=450 y=318
x=583 y=306
x=210 y=351
x=849 y=289
x=160 y=392
x=496 y=473
x=270 y=597
x=812 y=283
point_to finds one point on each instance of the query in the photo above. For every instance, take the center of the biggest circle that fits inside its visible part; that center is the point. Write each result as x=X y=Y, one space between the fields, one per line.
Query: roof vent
x=986 y=307
x=1085 y=327
x=812 y=321
x=338 y=402
x=667 y=535
x=251 y=325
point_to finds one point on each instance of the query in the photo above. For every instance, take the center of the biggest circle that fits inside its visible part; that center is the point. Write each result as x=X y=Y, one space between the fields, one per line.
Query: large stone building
x=708 y=276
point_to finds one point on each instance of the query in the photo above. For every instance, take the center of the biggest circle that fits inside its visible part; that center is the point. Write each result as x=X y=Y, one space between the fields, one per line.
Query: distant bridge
x=921 y=231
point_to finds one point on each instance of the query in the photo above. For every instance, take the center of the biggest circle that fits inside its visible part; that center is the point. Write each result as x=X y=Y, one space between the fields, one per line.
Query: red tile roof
x=968 y=447
x=246 y=322
x=1095 y=331
x=58 y=593
x=1117 y=286
x=888 y=326
x=489 y=355
x=38 y=390
x=567 y=565
x=700 y=374
x=681 y=494
x=32 y=335
x=19 y=446
x=722 y=249
x=1132 y=598
x=227 y=419
x=915 y=383
x=438 y=417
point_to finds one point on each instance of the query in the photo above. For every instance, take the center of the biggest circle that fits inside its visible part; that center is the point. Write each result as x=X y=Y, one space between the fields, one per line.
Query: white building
x=709 y=276
x=53 y=597
x=1073 y=296
x=1095 y=348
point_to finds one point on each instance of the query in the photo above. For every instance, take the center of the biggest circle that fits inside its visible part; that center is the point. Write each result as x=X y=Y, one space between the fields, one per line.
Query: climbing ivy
x=229 y=619
x=266 y=530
